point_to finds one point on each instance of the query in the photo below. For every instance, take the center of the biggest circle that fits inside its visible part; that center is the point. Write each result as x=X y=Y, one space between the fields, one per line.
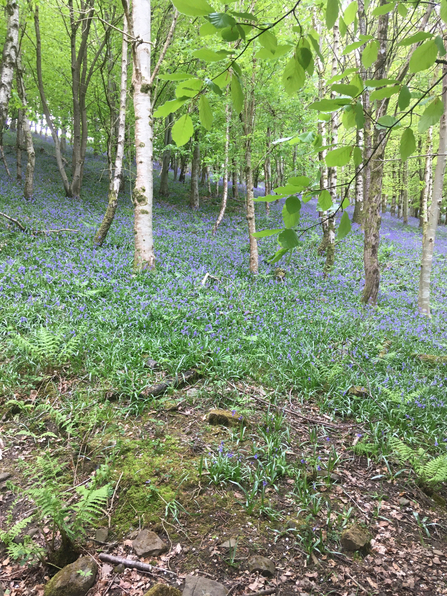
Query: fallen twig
x=4 y=161
x=175 y=382
x=134 y=564
x=25 y=229
x=16 y=221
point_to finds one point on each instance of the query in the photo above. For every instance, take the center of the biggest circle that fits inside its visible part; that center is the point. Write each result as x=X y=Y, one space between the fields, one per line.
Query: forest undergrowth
x=83 y=340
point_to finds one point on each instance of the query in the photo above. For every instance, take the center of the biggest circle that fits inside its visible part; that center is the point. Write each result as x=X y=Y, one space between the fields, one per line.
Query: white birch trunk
x=225 y=173
x=9 y=60
x=144 y=257
x=428 y=241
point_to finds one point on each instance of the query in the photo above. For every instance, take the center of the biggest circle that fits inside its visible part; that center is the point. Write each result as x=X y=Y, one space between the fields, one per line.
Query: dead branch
x=16 y=221
x=134 y=564
x=175 y=382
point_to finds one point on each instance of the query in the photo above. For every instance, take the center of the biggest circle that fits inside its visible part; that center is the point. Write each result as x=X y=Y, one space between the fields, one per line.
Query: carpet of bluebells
x=307 y=332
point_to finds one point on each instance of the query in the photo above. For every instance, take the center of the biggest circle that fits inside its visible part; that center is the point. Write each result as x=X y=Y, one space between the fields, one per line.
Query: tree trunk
x=144 y=257
x=234 y=186
x=358 y=205
x=425 y=196
x=9 y=60
x=268 y=168
x=225 y=173
x=394 y=190
x=405 y=191
x=248 y=123
x=31 y=156
x=183 y=164
x=19 y=143
x=372 y=218
x=115 y=182
x=164 y=176
x=194 y=197
x=428 y=241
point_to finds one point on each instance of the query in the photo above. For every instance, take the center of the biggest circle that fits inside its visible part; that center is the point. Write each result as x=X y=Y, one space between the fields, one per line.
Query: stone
x=4 y=476
x=404 y=502
x=119 y=568
x=226 y=418
x=101 y=534
x=163 y=590
x=75 y=579
x=262 y=564
x=231 y=543
x=195 y=585
x=151 y=363
x=147 y=543
x=358 y=391
x=432 y=358
x=355 y=538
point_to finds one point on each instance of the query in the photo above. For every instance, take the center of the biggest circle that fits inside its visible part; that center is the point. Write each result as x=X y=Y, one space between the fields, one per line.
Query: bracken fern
x=430 y=470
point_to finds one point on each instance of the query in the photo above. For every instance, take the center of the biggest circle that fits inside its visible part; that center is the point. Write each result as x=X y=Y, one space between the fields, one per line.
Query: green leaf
x=267 y=199
x=386 y=121
x=338 y=157
x=402 y=10
x=289 y=189
x=404 y=98
x=268 y=40
x=440 y=43
x=237 y=95
x=207 y=29
x=443 y=10
x=357 y=156
x=407 y=143
x=246 y=16
x=230 y=33
x=342 y=75
x=304 y=57
x=293 y=77
x=424 y=56
x=205 y=113
x=350 y=13
x=331 y=13
x=352 y=46
x=278 y=255
x=324 y=201
x=182 y=130
x=421 y=36
x=348 y=117
x=300 y=181
x=359 y=115
x=193 y=8
x=329 y=105
x=220 y=20
x=175 y=76
x=383 y=9
x=313 y=37
x=344 y=227
x=222 y=80
x=264 y=54
x=350 y=90
x=369 y=54
x=291 y=212
x=168 y=108
x=431 y=115
x=265 y=233
x=288 y=239
x=342 y=26
x=213 y=87
x=188 y=88
x=357 y=82
x=208 y=55
x=384 y=93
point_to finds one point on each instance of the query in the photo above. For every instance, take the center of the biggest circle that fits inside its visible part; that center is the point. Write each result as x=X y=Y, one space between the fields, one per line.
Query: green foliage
x=25 y=550
x=424 y=56
x=407 y=143
x=430 y=470
x=182 y=130
x=48 y=347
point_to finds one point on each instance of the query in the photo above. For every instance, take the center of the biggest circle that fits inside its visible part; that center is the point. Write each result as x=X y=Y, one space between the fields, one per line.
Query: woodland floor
x=322 y=382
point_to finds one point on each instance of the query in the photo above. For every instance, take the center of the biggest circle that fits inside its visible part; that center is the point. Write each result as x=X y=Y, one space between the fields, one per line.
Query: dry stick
x=4 y=161
x=134 y=564
x=16 y=221
x=357 y=584
x=175 y=382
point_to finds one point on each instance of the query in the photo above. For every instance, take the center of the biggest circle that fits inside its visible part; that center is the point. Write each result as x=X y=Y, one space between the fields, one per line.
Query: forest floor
x=317 y=385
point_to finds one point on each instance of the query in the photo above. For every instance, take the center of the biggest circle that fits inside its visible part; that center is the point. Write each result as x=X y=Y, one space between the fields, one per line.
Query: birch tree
x=9 y=60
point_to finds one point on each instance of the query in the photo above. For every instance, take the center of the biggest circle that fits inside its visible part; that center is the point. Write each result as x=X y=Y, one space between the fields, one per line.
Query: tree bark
x=194 y=197
x=19 y=143
x=425 y=195
x=405 y=191
x=394 y=190
x=358 y=205
x=140 y=29
x=223 y=205
x=164 y=188
x=31 y=155
x=372 y=218
x=115 y=182
x=428 y=241
x=248 y=123
x=9 y=60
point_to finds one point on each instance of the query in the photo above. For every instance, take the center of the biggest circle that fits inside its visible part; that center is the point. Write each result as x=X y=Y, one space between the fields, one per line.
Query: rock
x=261 y=564
x=202 y=586
x=4 y=476
x=101 y=534
x=355 y=538
x=358 y=391
x=432 y=358
x=404 y=502
x=151 y=363
x=225 y=418
x=70 y=582
x=231 y=543
x=163 y=590
x=193 y=392
x=119 y=568
x=148 y=543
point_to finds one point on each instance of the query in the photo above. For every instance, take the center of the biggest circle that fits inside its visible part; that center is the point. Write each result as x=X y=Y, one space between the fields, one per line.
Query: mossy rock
x=163 y=590
x=228 y=418
x=75 y=579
